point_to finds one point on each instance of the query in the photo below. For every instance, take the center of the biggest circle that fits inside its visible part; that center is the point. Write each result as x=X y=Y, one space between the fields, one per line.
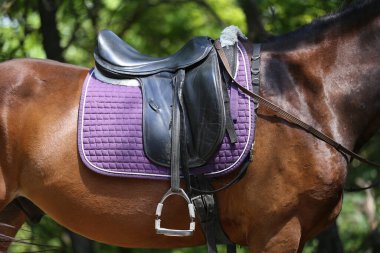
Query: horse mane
x=359 y=12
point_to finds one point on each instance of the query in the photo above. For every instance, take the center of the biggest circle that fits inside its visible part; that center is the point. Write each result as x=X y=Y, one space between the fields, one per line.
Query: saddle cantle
x=115 y=57
x=183 y=97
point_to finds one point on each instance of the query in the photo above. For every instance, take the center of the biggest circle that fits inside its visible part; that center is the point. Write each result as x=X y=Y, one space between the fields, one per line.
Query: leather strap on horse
x=207 y=212
x=288 y=116
x=33 y=212
x=178 y=79
x=178 y=158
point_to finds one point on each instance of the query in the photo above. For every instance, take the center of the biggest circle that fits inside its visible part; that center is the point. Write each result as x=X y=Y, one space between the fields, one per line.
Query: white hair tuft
x=229 y=36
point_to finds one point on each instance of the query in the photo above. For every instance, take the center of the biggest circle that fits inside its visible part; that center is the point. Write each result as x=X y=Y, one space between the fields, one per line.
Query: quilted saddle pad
x=110 y=137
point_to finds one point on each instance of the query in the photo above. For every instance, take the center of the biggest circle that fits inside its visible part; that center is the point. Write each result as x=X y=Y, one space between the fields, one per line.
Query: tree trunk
x=50 y=35
x=256 y=31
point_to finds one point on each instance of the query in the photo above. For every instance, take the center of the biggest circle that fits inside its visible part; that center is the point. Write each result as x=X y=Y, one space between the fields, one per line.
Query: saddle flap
x=204 y=113
x=205 y=108
x=157 y=112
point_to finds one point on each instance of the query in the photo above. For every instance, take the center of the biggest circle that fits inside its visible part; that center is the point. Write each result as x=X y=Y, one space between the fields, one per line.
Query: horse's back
x=19 y=76
x=39 y=86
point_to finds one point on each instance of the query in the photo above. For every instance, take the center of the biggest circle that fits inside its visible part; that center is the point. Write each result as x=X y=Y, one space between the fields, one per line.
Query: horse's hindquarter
x=39 y=110
x=27 y=103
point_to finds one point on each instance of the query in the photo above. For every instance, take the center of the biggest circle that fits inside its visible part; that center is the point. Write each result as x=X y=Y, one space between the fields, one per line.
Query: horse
x=327 y=73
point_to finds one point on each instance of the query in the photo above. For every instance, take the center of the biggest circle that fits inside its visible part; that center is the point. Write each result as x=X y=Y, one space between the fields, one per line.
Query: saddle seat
x=117 y=58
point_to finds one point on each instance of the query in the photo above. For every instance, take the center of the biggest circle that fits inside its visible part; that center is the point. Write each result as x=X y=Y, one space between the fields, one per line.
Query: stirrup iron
x=175 y=232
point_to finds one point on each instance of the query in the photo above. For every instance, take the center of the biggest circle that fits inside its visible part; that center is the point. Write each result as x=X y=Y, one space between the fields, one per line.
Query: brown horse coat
x=326 y=73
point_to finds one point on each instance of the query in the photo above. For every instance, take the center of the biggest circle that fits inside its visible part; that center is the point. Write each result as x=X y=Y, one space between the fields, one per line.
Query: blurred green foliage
x=160 y=28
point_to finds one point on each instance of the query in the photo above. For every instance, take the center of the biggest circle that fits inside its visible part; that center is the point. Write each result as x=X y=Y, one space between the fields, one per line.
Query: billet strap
x=230 y=128
x=295 y=120
x=255 y=67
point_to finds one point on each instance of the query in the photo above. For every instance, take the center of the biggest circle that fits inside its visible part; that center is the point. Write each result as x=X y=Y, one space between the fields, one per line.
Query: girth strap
x=33 y=212
x=207 y=212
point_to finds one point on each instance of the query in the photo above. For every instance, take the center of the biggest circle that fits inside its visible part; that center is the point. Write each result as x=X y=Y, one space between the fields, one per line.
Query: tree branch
x=26 y=30
x=93 y=12
x=143 y=6
x=77 y=25
x=208 y=8
x=256 y=30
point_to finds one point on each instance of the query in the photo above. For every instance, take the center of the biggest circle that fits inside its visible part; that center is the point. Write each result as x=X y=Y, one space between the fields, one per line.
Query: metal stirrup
x=175 y=232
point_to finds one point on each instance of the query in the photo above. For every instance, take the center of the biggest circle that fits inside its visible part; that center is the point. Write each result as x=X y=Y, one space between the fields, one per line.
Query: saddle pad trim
x=86 y=161
x=164 y=173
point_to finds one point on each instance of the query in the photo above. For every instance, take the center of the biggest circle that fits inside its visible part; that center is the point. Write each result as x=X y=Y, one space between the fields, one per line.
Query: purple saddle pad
x=110 y=136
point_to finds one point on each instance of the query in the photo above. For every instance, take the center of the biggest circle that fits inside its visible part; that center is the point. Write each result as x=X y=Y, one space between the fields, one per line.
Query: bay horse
x=327 y=73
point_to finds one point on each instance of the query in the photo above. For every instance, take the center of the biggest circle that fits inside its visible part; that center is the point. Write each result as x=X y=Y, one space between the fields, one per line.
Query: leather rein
x=255 y=69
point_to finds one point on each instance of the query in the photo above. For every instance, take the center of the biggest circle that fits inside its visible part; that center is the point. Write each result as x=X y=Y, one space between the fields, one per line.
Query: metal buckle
x=175 y=232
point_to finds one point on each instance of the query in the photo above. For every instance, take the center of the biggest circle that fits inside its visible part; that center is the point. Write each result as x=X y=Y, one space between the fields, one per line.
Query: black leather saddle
x=191 y=77
x=185 y=106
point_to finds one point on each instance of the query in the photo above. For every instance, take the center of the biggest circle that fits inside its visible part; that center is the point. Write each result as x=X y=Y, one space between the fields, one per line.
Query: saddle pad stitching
x=83 y=155
x=152 y=175
x=250 y=115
